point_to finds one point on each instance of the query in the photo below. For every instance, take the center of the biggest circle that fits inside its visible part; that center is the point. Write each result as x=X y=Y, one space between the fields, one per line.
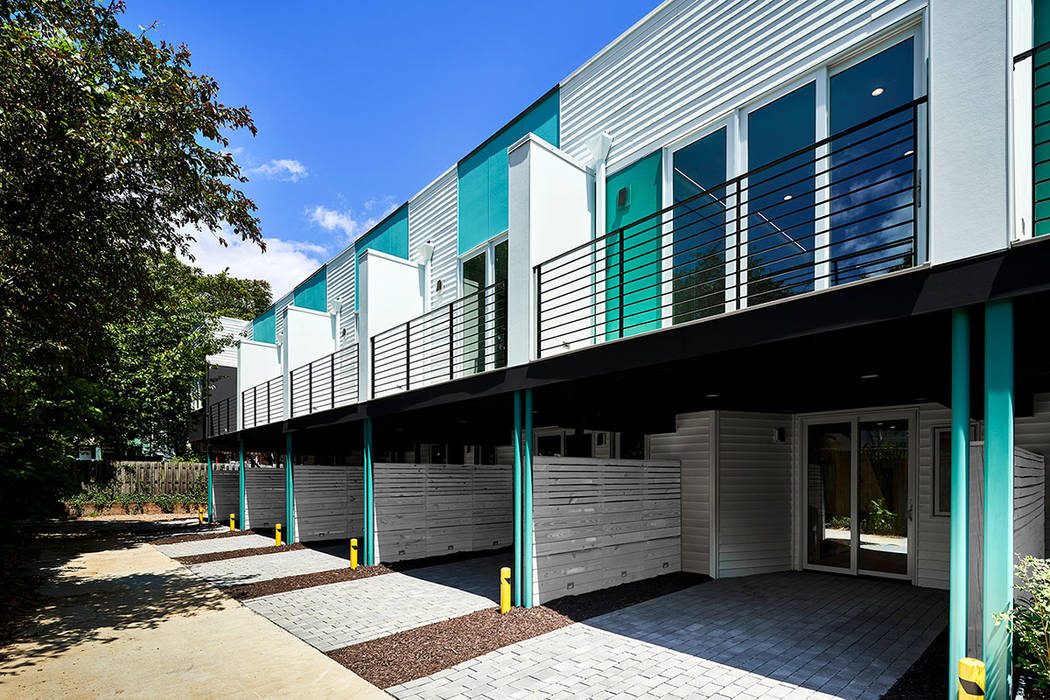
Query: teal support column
x=526 y=504
x=516 y=583
x=960 y=483
x=240 y=484
x=211 y=493
x=289 y=492
x=998 y=493
x=369 y=514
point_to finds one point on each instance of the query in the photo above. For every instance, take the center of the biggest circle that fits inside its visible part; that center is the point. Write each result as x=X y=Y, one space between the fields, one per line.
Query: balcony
x=842 y=210
x=221 y=417
x=464 y=337
x=326 y=383
x=263 y=403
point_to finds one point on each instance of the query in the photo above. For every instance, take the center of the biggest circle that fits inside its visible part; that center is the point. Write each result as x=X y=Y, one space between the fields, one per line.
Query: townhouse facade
x=757 y=288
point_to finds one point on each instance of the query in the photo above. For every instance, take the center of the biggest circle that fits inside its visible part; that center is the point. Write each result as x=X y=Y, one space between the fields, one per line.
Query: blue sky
x=360 y=105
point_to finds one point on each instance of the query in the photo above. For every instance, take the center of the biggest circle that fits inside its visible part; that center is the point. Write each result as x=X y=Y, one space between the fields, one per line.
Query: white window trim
x=489 y=249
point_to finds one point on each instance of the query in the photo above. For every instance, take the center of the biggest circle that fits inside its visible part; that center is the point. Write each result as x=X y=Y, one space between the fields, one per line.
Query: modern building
x=760 y=287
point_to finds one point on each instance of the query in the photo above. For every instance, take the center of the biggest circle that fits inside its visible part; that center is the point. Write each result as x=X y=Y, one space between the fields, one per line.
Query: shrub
x=166 y=501
x=1030 y=619
x=76 y=504
x=101 y=498
x=125 y=501
x=139 y=501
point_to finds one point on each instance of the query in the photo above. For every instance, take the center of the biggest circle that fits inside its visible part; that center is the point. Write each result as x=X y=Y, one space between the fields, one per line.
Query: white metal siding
x=692 y=445
x=432 y=215
x=235 y=327
x=933 y=531
x=279 y=312
x=342 y=285
x=754 y=494
x=691 y=62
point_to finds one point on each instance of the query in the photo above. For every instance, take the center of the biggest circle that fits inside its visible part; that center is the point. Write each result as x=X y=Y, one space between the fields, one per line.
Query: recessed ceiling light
x=909 y=152
x=787 y=197
x=711 y=396
x=877 y=91
x=869 y=376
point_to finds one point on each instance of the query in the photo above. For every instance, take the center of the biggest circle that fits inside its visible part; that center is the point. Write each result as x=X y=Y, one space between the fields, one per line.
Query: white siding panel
x=279 y=308
x=343 y=285
x=263 y=497
x=754 y=494
x=691 y=444
x=328 y=501
x=690 y=62
x=226 y=488
x=1033 y=433
x=432 y=215
x=933 y=531
x=238 y=328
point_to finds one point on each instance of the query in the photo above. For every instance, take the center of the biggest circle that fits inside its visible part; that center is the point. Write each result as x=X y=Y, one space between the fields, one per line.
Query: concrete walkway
x=124 y=620
x=797 y=635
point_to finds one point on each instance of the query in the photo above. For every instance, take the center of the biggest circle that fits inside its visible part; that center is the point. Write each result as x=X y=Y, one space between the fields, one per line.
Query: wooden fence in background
x=147 y=477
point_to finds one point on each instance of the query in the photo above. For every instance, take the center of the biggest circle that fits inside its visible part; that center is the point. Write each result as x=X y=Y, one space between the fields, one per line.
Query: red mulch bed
x=236 y=554
x=179 y=539
x=243 y=591
x=419 y=652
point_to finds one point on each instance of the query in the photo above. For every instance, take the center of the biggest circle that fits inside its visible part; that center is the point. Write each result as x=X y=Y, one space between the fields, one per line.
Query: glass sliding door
x=829 y=500
x=779 y=229
x=699 y=228
x=857 y=494
x=498 y=304
x=472 y=312
x=872 y=194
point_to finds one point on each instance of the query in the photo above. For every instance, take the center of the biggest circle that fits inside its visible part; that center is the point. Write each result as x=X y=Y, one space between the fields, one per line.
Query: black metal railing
x=326 y=383
x=1040 y=58
x=263 y=403
x=843 y=209
x=464 y=337
x=221 y=417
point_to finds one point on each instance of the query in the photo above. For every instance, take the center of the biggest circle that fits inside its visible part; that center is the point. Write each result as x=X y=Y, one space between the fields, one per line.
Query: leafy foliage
x=1029 y=621
x=113 y=154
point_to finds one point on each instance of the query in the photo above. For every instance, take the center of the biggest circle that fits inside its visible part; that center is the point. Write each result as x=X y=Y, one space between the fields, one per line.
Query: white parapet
x=551 y=210
x=256 y=363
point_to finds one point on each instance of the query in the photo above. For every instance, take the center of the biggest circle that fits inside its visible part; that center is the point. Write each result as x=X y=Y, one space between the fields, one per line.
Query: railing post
x=408 y=355
x=620 y=277
x=372 y=360
x=331 y=379
x=310 y=388
x=255 y=405
x=451 y=344
x=539 y=318
x=291 y=394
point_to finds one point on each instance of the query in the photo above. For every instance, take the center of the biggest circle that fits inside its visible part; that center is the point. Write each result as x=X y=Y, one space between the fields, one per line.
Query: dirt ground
x=115 y=618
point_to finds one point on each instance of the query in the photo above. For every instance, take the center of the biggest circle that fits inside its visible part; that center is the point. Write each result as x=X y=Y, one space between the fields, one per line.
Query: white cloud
x=283 y=169
x=335 y=220
x=284 y=264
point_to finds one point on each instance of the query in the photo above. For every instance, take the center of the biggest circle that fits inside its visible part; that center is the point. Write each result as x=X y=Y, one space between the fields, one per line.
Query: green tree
x=112 y=154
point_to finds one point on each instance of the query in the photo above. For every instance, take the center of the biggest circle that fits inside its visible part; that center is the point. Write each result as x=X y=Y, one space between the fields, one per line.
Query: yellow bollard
x=353 y=553
x=231 y=522
x=277 y=531
x=971 y=679
x=200 y=516
x=504 y=590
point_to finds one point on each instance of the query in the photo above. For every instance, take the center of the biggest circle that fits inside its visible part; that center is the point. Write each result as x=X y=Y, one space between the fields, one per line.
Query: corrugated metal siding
x=754 y=494
x=1034 y=434
x=343 y=285
x=691 y=61
x=279 y=310
x=239 y=329
x=691 y=444
x=432 y=216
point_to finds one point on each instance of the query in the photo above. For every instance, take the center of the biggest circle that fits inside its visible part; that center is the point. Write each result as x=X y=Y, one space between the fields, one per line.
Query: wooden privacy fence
x=147 y=477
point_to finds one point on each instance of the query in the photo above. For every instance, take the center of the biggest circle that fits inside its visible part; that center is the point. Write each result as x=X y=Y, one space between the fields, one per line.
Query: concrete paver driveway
x=263 y=567
x=798 y=635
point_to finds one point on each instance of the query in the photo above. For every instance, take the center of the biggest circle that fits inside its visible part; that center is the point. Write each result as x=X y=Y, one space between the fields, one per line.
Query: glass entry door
x=857 y=493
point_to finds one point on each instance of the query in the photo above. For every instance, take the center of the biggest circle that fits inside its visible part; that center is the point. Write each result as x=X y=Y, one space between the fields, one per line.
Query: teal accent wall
x=313 y=293
x=264 y=327
x=388 y=236
x=483 y=174
x=642 y=269
x=1041 y=121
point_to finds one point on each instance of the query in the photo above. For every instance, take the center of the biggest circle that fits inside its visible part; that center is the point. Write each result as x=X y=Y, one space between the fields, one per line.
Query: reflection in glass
x=699 y=228
x=872 y=192
x=828 y=497
x=780 y=197
x=473 y=315
x=883 y=496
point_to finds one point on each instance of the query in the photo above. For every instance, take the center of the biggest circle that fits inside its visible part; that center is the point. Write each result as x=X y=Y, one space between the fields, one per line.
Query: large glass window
x=699 y=225
x=780 y=197
x=872 y=168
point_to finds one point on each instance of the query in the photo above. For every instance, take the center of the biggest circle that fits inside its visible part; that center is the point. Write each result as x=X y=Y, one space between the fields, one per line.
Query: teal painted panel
x=388 y=236
x=642 y=270
x=1041 y=121
x=313 y=293
x=483 y=175
x=264 y=327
